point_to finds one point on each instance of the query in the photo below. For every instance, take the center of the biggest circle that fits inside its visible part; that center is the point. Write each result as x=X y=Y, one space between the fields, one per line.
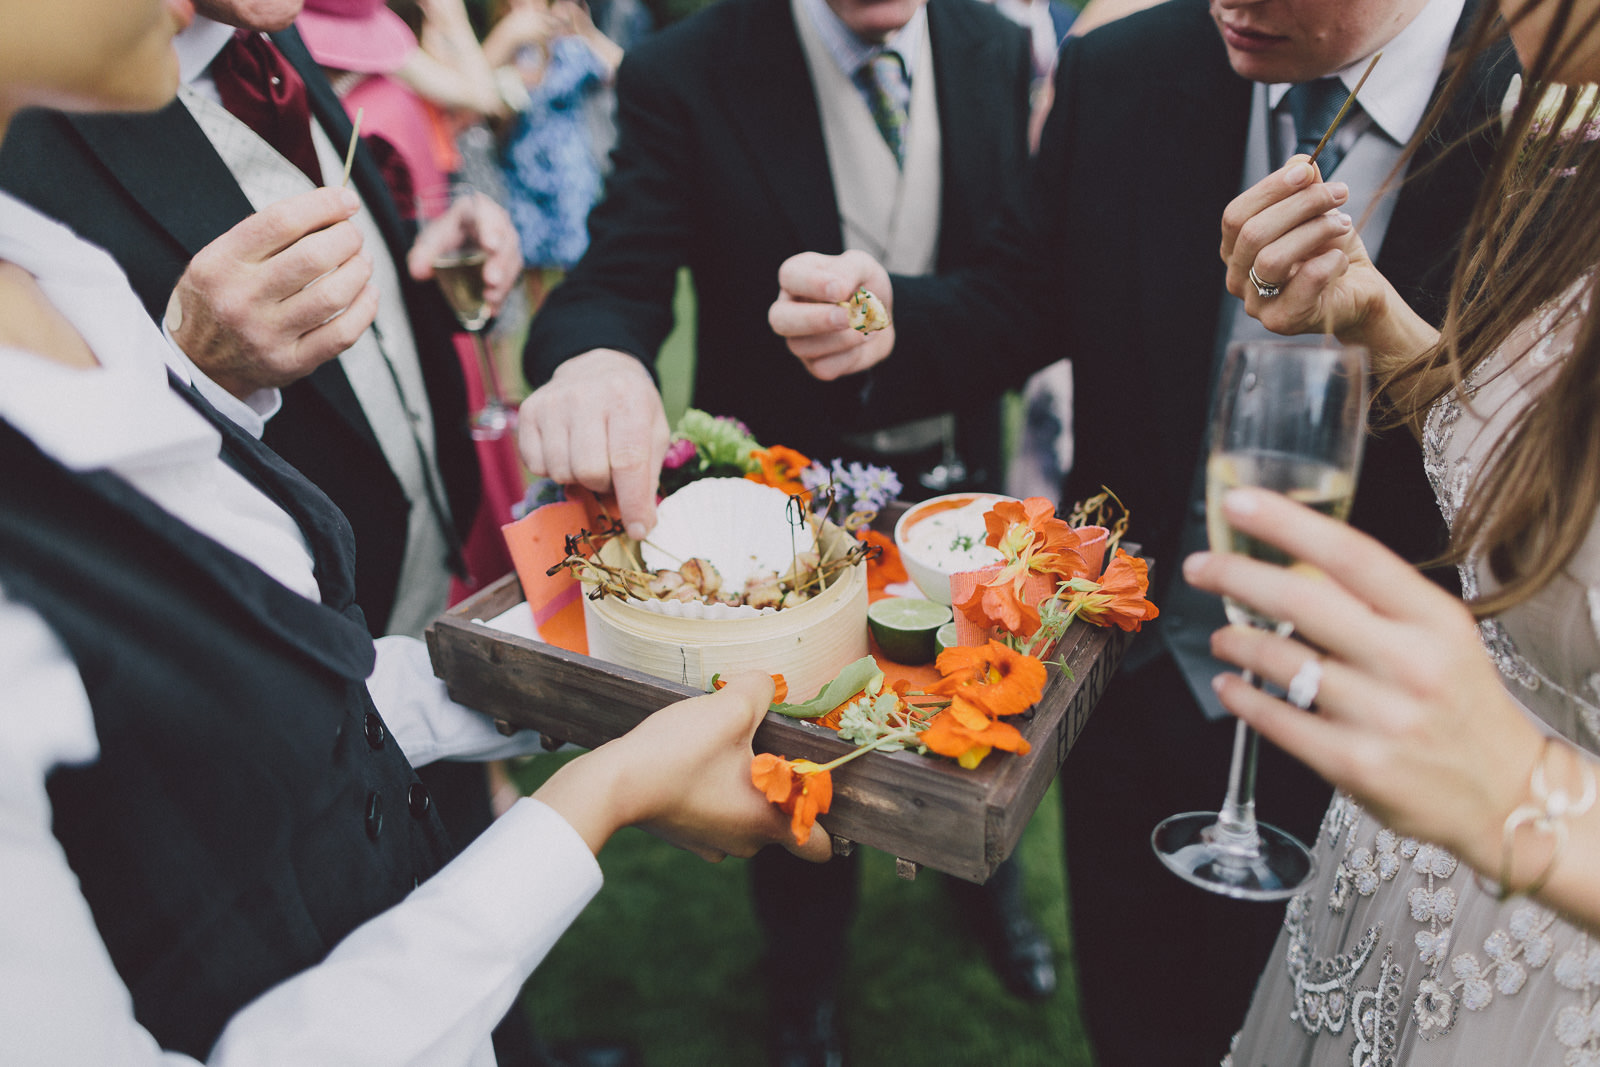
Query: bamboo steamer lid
x=808 y=644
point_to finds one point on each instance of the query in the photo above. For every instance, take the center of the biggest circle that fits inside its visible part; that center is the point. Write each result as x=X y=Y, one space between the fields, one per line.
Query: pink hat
x=359 y=35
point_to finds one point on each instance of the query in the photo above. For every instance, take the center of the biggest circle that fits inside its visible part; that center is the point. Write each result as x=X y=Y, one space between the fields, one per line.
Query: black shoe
x=1023 y=958
x=807 y=1037
x=592 y=1054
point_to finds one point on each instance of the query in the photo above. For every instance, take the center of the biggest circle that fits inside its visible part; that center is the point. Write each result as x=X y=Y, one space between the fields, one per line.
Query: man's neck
x=198 y=45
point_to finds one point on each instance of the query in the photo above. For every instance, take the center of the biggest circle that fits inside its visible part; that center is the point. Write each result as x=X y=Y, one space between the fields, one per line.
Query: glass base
x=1269 y=865
x=492 y=423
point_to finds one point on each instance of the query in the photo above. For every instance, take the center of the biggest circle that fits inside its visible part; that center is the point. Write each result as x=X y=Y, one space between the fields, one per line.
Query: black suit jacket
x=152 y=191
x=1112 y=260
x=721 y=166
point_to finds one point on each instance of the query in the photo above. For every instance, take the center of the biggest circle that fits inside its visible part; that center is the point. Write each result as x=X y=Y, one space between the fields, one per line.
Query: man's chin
x=268 y=16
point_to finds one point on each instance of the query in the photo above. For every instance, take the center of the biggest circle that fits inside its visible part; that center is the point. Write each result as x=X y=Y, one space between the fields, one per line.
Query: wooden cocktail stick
x=1346 y=108
x=355 y=133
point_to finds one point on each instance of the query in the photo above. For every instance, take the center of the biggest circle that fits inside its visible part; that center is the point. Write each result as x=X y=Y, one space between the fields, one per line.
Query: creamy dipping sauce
x=953 y=540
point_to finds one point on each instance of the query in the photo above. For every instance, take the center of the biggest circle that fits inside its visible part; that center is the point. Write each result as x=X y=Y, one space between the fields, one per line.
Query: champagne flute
x=459 y=272
x=1289 y=416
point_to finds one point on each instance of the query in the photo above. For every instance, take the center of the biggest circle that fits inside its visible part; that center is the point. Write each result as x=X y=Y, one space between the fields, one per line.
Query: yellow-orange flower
x=798 y=787
x=1027 y=531
x=1119 y=598
x=780 y=686
x=780 y=468
x=968 y=735
x=996 y=679
x=887 y=567
x=1000 y=602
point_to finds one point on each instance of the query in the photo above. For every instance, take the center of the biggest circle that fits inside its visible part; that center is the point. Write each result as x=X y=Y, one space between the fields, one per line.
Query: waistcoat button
x=418 y=800
x=374 y=729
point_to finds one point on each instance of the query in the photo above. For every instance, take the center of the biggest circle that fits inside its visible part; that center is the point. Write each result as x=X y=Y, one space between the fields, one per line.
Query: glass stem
x=492 y=396
x=1236 y=823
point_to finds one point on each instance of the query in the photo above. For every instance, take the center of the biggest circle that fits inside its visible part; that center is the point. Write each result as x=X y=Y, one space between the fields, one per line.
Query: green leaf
x=849 y=681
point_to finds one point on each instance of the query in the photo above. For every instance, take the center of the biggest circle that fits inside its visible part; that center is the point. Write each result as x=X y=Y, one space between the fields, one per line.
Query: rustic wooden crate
x=927 y=812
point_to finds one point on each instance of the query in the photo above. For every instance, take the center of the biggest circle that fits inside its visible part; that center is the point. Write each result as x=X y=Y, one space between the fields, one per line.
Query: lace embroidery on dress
x=1327 y=996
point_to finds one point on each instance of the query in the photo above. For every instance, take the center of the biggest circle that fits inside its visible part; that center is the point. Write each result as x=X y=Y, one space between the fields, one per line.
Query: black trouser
x=1165 y=970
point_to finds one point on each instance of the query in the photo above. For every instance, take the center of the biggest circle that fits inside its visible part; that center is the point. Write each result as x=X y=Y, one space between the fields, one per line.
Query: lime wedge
x=945 y=637
x=904 y=627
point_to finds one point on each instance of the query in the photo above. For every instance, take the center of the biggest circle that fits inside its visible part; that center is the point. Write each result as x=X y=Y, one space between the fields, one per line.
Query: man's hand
x=808 y=312
x=598 y=422
x=491 y=228
x=278 y=295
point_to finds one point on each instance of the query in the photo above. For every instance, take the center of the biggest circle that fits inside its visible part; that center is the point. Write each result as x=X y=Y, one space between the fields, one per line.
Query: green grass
x=666 y=959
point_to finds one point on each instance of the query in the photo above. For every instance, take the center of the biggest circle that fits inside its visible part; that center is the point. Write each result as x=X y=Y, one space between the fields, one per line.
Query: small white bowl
x=932 y=575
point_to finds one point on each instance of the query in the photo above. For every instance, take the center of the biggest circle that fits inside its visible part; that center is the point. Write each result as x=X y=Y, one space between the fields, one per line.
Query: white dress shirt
x=422 y=983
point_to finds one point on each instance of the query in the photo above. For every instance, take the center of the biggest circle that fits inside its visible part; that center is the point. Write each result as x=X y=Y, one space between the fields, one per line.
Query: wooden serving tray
x=924 y=811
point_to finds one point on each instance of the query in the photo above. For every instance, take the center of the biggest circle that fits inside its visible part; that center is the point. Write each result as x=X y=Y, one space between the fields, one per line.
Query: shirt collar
x=1397 y=94
x=850 y=51
x=121 y=415
x=198 y=45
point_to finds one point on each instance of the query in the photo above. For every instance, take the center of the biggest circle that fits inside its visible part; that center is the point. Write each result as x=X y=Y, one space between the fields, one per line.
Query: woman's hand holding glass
x=1410 y=717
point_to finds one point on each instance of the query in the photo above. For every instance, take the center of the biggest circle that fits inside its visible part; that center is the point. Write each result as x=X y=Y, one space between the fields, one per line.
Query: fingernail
x=1345 y=221
x=1217 y=681
x=1241 y=502
x=1194 y=563
x=349 y=200
x=1339 y=191
x=1297 y=173
x=839 y=319
x=637 y=531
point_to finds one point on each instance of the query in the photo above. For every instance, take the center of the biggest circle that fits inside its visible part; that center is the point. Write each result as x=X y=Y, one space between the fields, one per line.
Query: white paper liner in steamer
x=741 y=526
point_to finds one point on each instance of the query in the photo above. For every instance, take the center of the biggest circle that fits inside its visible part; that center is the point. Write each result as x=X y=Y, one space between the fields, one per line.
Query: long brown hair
x=1533 y=238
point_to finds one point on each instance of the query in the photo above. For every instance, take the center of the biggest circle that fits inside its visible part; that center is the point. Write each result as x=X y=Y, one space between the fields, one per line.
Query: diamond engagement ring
x=1262 y=288
x=1305 y=683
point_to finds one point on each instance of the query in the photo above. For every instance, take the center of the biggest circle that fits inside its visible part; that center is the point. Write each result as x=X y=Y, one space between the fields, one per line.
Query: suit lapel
x=1198 y=126
x=1422 y=243
x=138 y=151
x=967 y=105
x=773 y=110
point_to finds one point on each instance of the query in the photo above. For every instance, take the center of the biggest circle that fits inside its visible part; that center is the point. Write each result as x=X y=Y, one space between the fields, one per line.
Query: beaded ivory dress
x=1396 y=956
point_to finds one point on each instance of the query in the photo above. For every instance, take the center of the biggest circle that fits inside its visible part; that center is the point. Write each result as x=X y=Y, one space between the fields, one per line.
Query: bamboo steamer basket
x=808 y=644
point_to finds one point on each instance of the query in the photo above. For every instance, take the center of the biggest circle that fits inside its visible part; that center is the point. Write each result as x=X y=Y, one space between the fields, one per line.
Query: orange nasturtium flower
x=968 y=734
x=997 y=679
x=780 y=468
x=798 y=787
x=1119 y=598
x=1032 y=541
x=1027 y=531
x=780 y=686
x=887 y=567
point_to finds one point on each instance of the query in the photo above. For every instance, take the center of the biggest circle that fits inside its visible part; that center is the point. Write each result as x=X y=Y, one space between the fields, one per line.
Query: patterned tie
x=264 y=92
x=1313 y=106
x=884 y=79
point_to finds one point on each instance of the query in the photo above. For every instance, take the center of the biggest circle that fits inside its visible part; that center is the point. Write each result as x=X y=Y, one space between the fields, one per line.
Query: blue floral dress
x=551 y=176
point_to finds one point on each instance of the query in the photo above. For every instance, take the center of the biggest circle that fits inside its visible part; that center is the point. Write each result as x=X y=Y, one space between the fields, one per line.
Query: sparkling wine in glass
x=1289 y=416
x=459 y=272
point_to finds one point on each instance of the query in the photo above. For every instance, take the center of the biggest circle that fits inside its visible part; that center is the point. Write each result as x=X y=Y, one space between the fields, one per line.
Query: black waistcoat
x=248 y=808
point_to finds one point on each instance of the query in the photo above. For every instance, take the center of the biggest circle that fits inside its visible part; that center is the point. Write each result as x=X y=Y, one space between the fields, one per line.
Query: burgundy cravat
x=264 y=92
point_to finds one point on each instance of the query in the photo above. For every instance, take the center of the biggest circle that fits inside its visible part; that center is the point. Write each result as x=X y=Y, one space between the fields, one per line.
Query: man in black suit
x=1160 y=120
x=745 y=135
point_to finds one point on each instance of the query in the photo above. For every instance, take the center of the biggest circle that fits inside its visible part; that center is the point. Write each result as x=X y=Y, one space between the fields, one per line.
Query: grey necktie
x=1313 y=106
